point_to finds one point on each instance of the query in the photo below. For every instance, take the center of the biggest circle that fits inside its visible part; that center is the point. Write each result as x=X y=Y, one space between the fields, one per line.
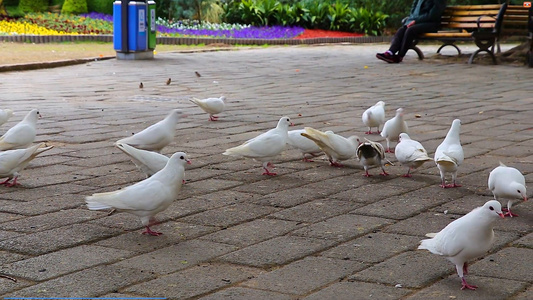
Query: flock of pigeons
x=462 y=240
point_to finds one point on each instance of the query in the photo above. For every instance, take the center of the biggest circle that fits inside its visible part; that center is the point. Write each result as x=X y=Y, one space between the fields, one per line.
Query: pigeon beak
x=501 y=215
x=292 y=124
x=525 y=198
x=189 y=162
x=39 y=115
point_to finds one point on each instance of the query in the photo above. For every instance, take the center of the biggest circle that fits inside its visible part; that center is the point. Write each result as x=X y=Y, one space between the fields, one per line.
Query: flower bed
x=101 y=24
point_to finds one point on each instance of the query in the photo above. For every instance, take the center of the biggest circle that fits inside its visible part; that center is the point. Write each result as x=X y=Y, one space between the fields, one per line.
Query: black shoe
x=386 y=56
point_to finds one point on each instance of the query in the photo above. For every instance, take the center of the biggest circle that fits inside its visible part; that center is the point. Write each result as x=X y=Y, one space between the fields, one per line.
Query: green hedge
x=33 y=5
x=74 y=7
x=101 y=6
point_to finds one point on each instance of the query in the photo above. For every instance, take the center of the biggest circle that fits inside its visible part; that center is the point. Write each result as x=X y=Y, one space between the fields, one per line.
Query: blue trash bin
x=117 y=26
x=137 y=39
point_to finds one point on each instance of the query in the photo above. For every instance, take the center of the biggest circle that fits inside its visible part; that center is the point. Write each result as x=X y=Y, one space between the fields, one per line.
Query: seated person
x=424 y=17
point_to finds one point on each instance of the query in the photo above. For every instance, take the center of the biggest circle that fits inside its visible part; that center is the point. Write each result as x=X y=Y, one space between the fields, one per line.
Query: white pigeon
x=410 y=153
x=466 y=238
x=14 y=161
x=374 y=116
x=370 y=154
x=449 y=154
x=336 y=147
x=22 y=134
x=5 y=114
x=157 y=136
x=305 y=145
x=212 y=106
x=264 y=146
x=509 y=183
x=148 y=197
x=148 y=162
x=393 y=128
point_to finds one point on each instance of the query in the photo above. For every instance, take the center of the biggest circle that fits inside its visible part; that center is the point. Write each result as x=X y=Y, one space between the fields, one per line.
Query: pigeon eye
x=181 y=157
x=491 y=208
x=518 y=191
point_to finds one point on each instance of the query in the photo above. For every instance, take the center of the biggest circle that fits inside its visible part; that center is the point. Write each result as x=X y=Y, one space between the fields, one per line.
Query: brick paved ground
x=314 y=231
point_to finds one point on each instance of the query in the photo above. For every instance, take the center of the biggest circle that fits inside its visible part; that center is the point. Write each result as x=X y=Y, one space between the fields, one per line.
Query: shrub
x=74 y=7
x=101 y=6
x=33 y=5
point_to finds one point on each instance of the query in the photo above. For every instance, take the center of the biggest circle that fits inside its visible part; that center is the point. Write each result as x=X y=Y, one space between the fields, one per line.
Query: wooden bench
x=481 y=24
x=515 y=23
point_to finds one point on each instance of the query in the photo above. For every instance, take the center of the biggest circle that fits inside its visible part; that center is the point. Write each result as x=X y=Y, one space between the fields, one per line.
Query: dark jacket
x=426 y=11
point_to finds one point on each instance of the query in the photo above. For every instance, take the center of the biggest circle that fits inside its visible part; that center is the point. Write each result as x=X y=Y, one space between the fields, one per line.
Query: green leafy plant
x=101 y=6
x=370 y=23
x=74 y=7
x=33 y=5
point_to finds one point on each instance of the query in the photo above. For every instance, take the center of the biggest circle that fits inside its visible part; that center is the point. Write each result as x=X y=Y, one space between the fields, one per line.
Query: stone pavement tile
x=122 y=221
x=91 y=282
x=99 y=159
x=316 y=210
x=49 y=221
x=412 y=269
x=462 y=205
x=373 y=247
x=508 y=263
x=516 y=150
x=408 y=205
x=209 y=186
x=173 y=233
x=204 y=173
x=265 y=186
x=356 y=290
x=195 y=281
x=113 y=181
x=239 y=293
x=8 y=286
x=119 y=295
x=30 y=181
x=526 y=241
x=304 y=276
x=373 y=192
x=252 y=232
x=489 y=144
x=65 y=261
x=5 y=235
x=488 y=289
x=46 y=205
x=176 y=257
x=229 y=215
x=277 y=251
x=28 y=194
x=40 y=169
x=125 y=167
x=342 y=228
x=8 y=257
x=527 y=294
x=286 y=199
x=7 y=217
x=320 y=171
x=51 y=240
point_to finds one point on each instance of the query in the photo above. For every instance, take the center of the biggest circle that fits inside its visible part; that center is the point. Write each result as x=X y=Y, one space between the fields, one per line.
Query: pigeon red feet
x=308 y=160
x=467 y=286
x=336 y=164
x=449 y=186
x=151 y=232
x=368 y=132
x=389 y=151
x=10 y=184
x=384 y=173
x=367 y=174
x=213 y=118
x=508 y=213
x=267 y=172
x=407 y=175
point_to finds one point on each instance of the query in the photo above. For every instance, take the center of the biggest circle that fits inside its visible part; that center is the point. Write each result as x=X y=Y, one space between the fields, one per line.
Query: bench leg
x=418 y=52
x=471 y=59
x=448 y=44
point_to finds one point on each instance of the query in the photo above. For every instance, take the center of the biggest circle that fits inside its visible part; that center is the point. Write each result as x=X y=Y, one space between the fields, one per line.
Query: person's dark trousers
x=404 y=37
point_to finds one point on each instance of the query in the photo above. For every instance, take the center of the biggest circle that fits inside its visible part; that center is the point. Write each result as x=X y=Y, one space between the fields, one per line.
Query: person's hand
x=411 y=24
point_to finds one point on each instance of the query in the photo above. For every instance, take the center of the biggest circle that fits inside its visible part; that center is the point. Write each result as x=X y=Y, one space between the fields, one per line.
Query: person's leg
x=395 y=46
x=411 y=33
x=397 y=40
